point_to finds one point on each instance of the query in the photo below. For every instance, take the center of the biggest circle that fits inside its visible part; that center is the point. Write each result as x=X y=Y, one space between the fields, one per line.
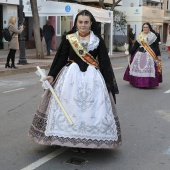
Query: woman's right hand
x=50 y=79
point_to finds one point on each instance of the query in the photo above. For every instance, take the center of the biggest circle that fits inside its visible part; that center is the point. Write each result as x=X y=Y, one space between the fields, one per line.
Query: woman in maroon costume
x=144 y=70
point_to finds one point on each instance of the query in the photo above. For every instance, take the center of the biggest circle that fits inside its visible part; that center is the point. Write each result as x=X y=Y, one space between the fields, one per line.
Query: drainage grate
x=76 y=161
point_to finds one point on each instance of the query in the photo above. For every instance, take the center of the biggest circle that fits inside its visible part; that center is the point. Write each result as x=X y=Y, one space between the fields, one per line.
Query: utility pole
x=22 y=59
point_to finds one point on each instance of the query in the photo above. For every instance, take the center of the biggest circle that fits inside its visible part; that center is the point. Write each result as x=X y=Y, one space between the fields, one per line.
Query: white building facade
x=7 y=9
x=140 y=11
x=157 y=12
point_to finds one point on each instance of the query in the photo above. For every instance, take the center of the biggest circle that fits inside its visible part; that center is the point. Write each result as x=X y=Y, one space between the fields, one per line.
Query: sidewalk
x=32 y=62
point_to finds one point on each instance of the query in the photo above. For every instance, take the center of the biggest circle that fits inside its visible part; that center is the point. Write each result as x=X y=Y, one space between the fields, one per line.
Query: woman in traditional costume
x=83 y=79
x=168 y=43
x=145 y=68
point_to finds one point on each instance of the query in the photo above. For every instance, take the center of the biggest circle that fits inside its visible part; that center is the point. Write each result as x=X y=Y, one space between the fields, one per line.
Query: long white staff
x=127 y=53
x=55 y=96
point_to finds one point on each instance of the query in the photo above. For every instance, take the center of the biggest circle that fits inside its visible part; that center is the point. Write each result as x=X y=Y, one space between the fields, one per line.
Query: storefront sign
x=49 y=8
x=14 y=2
x=137 y=11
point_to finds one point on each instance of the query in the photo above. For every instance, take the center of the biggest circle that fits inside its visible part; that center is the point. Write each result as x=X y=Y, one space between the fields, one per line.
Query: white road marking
x=13 y=90
x=45 y=159
x=168 y=91
x=165 y=114
x=167 y=152
x=10 y=83
x=2 y=84
x=117 y=68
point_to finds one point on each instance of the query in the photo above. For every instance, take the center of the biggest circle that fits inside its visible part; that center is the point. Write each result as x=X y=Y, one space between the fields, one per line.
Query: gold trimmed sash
x=150 y=51
x=81 y=51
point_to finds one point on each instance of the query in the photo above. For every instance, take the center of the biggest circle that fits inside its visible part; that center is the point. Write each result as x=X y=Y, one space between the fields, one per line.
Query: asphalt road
x=144 y=117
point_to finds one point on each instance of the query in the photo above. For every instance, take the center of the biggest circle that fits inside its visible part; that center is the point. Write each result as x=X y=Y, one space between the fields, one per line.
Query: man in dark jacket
x=131 y=38
x=48 y=33
x=157 y=34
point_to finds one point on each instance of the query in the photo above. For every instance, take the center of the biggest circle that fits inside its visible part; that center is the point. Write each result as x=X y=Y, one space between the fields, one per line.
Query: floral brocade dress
x=143 y=71
x=82 y=90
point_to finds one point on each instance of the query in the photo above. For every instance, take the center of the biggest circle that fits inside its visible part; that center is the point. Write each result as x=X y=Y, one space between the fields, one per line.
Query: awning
x=52 y=8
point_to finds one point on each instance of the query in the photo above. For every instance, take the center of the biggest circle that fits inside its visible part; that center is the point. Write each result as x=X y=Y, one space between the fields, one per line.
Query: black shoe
x=75 y=150
x=13 y=66
x=7 y=65
x=80 y=150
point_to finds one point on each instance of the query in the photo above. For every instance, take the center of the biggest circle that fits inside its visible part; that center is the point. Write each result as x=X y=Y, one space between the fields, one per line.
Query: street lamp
x=22 y=59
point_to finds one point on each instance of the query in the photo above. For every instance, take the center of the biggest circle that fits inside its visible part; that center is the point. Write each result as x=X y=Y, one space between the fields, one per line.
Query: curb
x=117 y=57
x=8 y=72
x=22 y=70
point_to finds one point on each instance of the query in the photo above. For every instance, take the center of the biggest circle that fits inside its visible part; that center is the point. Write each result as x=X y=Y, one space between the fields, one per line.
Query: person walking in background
x=145 y=68
x=131 y=38
x=48 y=33
x=157 y=34
x=168 y=43
x=82 y=77
x=13 y=44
